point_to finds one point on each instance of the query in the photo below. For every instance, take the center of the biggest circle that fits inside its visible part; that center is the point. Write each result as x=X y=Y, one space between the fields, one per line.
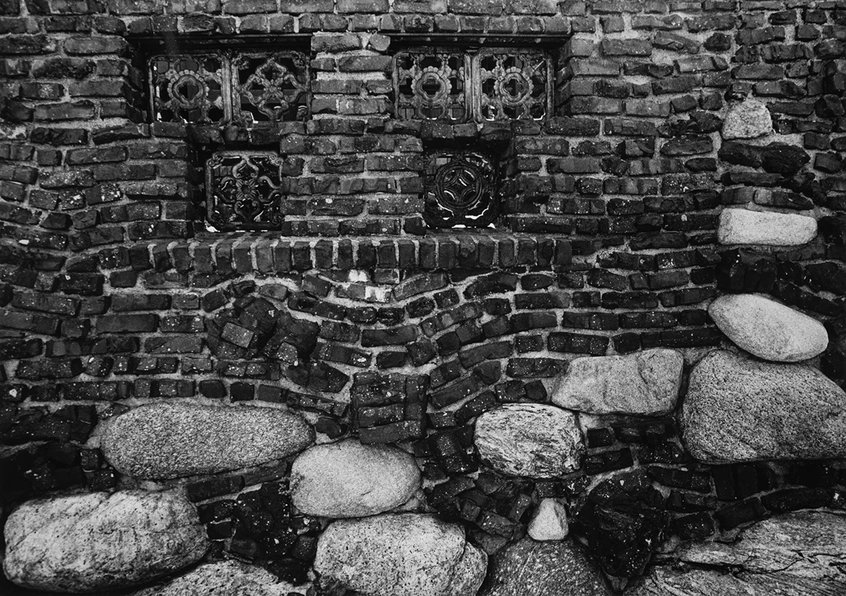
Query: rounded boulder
x=400 y=554
x=768 y=329
x=348 y=479
x=174 y=440
x=98 y=541
x=740 y=410
x=527 y=439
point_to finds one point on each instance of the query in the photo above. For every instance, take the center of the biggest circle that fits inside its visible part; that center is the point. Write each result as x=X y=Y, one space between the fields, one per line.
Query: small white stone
x=550 y=521
x=768 y=329
x=747 y=120
x=742 y=226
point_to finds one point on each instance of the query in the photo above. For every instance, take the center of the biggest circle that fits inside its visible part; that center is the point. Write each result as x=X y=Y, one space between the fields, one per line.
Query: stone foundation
x=447 y=298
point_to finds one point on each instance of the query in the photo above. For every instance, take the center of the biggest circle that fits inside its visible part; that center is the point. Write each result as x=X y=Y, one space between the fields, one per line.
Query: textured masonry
x=231 y=229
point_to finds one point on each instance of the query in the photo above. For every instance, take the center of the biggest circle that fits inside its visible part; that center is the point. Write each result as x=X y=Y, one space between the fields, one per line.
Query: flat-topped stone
x=400 y=554
x=749 y=119
x=739 y=410
x=348 y=479
x=768 y=329
x=742 y=226
x=644 y=383
x=527 y=439
x=97 y=541
x=174 y=440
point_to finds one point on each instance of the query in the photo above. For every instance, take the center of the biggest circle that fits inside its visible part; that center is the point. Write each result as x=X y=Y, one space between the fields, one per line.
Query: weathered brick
x=129 y=323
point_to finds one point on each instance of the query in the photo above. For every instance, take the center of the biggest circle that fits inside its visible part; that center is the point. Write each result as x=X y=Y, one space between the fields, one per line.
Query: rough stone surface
x=744 y=410
x=768 y=329
x=747 y=120
x=543 y=569
x=172 y=440
x=550 y=521
x=643 y=383
x=396 y=555
x=223 y=578
x=95 y=541
x=348 y=479
x=742 y=226
x=797 y=554
x=534 y=440
x=624 y=521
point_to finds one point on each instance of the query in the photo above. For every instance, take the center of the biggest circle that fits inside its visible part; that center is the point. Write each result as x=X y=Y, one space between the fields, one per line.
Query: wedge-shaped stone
x=742 y=226
x=89 y=542
x=543 y=569
x=550 y=521
x=173 y=440
x=399 y=555
x=644 y=383
x=534 y=440
x=796 y=554
x=739 y=410
x=348 y=479
x=768 y=329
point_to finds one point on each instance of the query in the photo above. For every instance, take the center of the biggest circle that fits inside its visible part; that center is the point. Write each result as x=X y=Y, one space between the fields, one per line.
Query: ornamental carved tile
x=461 y=190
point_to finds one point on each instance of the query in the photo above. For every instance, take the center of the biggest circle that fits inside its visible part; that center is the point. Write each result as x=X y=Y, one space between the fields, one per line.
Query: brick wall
x=113 y=291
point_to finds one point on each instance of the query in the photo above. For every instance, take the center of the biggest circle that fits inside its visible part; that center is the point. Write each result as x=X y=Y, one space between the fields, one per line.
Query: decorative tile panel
x=270 y=89
x=189 y=88
x=461 y=190
x=512 y=85
x=244 y=191
x=457 y=86
x=432 y=86
x=246 y=88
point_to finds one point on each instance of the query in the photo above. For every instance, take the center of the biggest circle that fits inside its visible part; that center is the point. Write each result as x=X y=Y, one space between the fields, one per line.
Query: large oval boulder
x=224 y=578
x=742 y=226
x=95 y=541
x=739 y=410
x=645 y=383
x=527 y=439
x=543 y=569
x=400 y=554
x=173 y=440
x=348 y=479
x=796 y=554
x=768 y=329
